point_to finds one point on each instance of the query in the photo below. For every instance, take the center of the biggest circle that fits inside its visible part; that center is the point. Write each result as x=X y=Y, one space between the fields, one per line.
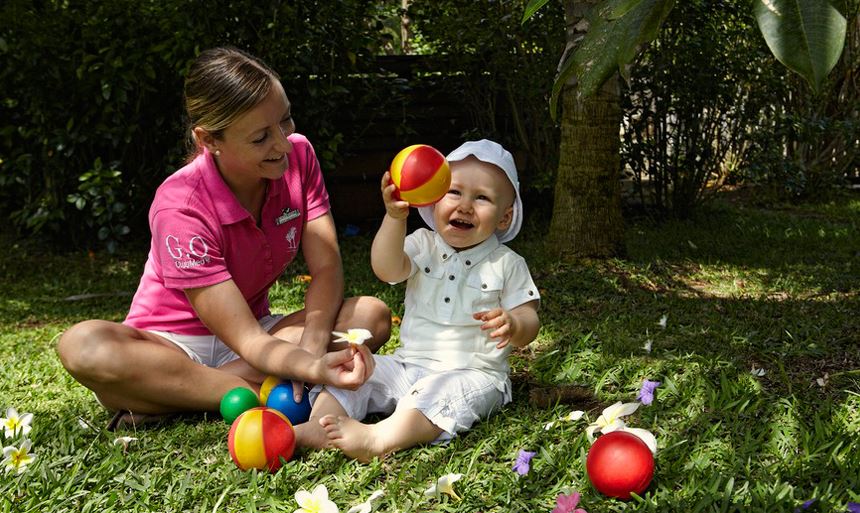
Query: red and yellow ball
x=421 y=175
x=261 y=438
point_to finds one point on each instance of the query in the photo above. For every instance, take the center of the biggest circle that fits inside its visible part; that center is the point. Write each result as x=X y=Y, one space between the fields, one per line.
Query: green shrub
x=695 y=97
x=506 y=70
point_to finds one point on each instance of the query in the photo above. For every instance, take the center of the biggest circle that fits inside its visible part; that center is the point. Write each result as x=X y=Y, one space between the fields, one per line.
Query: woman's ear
x=204 y=138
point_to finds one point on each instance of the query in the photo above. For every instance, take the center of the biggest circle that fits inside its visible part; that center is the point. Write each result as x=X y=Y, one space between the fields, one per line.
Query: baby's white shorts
x=452 y=400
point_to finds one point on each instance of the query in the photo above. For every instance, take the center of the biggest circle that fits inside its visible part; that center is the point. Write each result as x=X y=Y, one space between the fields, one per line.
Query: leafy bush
x=102 y=82
x=506 y=68
x=694 y=98
x=813 y=142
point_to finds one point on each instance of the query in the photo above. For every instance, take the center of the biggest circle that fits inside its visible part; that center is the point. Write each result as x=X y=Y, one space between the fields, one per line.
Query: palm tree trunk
x=586 y=216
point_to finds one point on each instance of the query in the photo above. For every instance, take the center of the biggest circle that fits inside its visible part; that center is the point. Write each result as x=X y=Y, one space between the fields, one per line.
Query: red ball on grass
x=619 y=463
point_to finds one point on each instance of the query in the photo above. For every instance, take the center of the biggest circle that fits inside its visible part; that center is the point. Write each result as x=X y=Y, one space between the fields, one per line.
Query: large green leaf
x=805 y=35
x=533 y=7
x=618 y=30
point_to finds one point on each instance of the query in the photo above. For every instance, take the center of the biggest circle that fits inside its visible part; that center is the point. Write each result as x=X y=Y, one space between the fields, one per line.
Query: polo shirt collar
x=468 y=257
x=229 y=209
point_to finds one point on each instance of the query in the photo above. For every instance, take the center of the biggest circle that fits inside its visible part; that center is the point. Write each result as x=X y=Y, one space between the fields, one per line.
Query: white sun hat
x=491 y=153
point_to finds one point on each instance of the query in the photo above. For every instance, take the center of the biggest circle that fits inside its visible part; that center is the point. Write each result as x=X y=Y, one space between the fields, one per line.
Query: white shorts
x=451 y=400
x=209 y=350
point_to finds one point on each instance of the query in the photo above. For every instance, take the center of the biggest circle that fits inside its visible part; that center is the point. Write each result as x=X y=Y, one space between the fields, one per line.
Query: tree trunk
x=586 y=216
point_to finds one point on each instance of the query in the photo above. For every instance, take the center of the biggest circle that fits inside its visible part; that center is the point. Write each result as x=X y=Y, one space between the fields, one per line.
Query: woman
x=224 y=227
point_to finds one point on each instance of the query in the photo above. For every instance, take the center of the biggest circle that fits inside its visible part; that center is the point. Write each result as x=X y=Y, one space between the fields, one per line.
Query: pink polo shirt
x=201 y=236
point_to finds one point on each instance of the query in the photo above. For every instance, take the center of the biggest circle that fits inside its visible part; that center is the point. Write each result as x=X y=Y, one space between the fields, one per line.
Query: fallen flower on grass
x=521 y=466
x=756 y=371
x=568 y=504
x=648 y=344
x=355 y=336
x=663 y=320
x=304 y=278
x=16 y=459
x=822 y=381
x=125 y=441
x=610 y=419
x=570 y=417
x=368 y=505
x=13 y=423
x=445 y=484
x=646 y=393
x=574 y=415
x=805 y=505
x=315 y=502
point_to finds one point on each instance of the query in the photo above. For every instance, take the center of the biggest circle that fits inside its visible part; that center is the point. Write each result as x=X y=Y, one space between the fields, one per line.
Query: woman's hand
x=348 y=368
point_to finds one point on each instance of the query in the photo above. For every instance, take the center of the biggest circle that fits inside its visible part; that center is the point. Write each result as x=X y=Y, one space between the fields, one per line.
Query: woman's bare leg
x=139 y=371
x=406 y=427
x=356 y=312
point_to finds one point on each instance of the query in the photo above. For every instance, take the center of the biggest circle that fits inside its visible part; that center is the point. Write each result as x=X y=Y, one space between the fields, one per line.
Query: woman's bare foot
x=311 y=435
x=355 y=439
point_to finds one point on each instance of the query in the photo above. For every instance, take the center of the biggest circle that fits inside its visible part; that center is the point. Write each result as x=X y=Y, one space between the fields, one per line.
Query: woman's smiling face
x=256 y=146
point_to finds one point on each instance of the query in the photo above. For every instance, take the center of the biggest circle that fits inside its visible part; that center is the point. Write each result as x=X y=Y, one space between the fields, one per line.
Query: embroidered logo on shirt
x=286 y=215
x=196 y=254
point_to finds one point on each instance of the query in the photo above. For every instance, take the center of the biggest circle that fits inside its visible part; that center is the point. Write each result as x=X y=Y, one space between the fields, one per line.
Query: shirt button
x=426 y=269
x=468 y=262
x=451 y=277
x=483 y=285
x=447 y=299
x=444 y=256
x=531 y=293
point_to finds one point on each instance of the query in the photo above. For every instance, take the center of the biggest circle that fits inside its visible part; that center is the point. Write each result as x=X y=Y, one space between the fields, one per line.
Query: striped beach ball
x=421 y=175
x=268 y=384
x=259 y=438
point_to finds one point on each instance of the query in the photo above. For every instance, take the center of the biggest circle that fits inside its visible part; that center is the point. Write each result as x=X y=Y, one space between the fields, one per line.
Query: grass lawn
x=740 y=288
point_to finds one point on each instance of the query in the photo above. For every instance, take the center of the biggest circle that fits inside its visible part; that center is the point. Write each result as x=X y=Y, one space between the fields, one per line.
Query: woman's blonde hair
x=222 y=84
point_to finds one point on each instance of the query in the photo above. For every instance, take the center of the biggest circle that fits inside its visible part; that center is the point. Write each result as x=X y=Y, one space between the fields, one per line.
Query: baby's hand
x=395 y=208
x=500 y=321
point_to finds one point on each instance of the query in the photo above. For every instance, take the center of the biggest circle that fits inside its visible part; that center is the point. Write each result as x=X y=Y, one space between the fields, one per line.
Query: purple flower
x=567 y=504
x=804 y=506
x=854 y=507
x=521 y=466
x=646 y=393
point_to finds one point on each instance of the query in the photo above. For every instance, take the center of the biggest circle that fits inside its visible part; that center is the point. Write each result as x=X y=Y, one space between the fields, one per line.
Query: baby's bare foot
x=355 y=439
x=311 y=435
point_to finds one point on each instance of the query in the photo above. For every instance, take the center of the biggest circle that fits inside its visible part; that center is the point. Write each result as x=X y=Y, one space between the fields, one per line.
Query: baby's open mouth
x=461 y=224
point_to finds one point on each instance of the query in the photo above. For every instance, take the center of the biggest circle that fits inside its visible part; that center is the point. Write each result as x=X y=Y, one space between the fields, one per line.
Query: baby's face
x=479 y=202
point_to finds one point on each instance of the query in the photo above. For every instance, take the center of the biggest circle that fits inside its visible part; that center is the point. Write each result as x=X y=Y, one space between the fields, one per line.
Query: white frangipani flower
x=16 y=459
x=574 y=415
x=663 y=320
x=757 y=371
x=647 y=346
x=14 y=424
x=445 y=484
x=549 y=425
x=644 y=435
x=315 y=502
x=355 y=336
x=368 y=505
x=125 y=441
x=610 y=419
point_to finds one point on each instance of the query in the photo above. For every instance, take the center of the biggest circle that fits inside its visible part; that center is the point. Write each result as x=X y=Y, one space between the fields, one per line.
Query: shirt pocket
x=428 y=279
x=484 y=290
